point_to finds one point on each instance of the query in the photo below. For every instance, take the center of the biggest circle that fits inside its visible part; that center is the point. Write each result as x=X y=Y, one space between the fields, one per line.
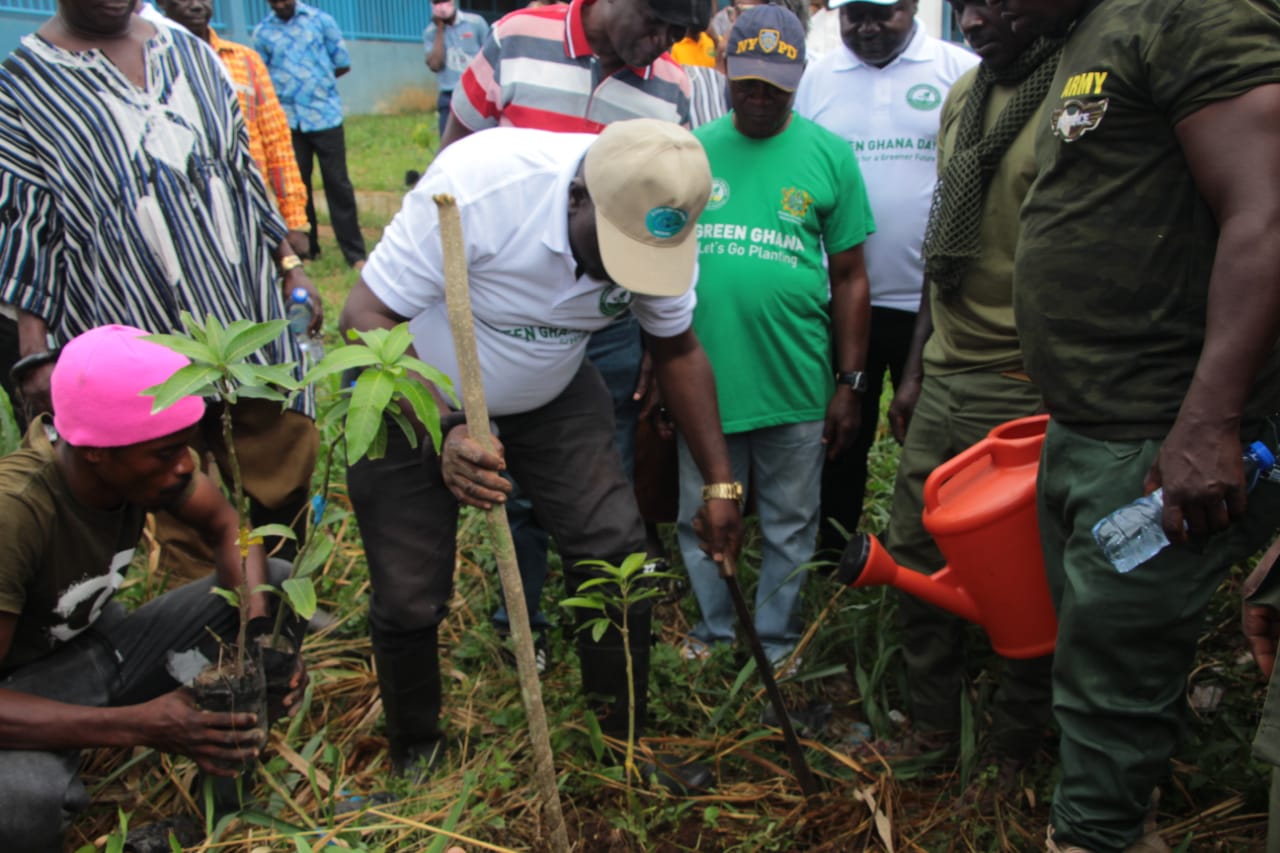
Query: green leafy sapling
x=220 y=367
x=613 y=594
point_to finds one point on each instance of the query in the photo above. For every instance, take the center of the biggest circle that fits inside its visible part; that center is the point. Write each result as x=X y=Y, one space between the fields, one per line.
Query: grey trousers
x=121 y=660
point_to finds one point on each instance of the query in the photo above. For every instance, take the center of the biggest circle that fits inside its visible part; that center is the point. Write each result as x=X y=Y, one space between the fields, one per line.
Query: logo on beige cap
x=665 y=222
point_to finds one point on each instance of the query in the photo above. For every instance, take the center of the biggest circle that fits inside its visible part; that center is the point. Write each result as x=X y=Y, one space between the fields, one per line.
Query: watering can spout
x=865 y=562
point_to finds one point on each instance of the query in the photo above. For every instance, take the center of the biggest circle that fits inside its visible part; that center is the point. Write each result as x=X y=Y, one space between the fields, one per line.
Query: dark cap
x=767 y=43
x=683 y=13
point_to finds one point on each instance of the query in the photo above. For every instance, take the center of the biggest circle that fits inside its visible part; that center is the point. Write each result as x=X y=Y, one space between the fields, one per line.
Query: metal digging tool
x=808 y=784
x=462 y=324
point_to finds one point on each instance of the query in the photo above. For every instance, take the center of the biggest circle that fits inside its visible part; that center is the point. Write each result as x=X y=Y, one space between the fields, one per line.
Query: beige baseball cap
x=649 y=180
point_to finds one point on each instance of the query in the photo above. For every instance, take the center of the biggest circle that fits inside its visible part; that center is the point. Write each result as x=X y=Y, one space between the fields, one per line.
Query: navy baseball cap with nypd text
x=767 y=43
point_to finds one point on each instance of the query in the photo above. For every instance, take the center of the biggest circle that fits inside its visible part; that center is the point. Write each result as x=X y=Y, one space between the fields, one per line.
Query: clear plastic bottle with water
x=1134 y=533
x=299 y=313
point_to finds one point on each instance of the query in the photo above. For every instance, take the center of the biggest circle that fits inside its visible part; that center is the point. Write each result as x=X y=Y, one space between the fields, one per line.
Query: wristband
x=28 y=363
x=289 y=263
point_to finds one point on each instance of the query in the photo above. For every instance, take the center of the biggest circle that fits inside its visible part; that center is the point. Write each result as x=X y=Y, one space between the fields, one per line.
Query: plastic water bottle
x=1134 y=534
x=299 y=313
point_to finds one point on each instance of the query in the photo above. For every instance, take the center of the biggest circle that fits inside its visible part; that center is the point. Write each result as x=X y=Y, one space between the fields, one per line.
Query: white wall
x=931 y=12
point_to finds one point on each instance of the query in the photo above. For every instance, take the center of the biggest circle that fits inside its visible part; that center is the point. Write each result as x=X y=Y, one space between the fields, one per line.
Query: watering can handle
x=944 y=472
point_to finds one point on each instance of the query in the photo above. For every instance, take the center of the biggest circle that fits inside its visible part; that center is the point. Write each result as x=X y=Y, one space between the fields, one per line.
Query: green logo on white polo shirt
x=922 y=96
x=614 y=300
x=665 y=222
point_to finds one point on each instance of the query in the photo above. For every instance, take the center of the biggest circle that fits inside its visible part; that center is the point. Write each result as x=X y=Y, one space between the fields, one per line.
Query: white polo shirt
x=532 y=314
x=890 y=116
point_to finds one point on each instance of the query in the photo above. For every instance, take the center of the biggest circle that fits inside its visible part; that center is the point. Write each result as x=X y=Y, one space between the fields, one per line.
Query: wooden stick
x=461 y=322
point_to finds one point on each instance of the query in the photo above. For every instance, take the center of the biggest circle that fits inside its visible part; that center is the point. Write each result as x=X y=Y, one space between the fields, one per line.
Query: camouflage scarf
x=951 y=240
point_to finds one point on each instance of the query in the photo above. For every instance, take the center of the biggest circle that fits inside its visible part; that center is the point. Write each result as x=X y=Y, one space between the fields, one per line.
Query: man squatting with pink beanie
x=77 y=671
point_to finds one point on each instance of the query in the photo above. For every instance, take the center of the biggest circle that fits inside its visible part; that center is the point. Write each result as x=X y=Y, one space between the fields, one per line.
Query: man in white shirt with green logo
x=882 y=90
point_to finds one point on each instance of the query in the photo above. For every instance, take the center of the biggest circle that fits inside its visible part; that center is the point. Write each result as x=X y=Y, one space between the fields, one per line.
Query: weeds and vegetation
x=316 y=785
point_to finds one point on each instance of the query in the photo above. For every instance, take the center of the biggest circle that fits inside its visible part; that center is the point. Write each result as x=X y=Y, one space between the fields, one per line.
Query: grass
x=482 y=797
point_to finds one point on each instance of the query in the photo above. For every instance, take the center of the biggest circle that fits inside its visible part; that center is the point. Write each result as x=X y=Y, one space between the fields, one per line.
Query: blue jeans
x=785 y=465
x=616 y=352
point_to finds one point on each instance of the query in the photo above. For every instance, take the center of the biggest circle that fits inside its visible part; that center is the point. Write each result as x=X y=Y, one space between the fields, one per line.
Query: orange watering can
x=980 y=508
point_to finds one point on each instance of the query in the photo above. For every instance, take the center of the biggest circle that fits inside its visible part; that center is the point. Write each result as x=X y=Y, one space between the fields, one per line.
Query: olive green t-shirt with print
x=974 y=329
x=1117 y=244
x=60 y=561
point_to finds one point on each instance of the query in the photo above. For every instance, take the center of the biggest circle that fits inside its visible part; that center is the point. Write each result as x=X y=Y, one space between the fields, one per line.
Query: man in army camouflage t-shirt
x=1147 y=300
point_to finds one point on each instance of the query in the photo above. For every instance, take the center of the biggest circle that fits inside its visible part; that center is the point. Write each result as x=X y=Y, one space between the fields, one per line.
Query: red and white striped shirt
x=537 y=70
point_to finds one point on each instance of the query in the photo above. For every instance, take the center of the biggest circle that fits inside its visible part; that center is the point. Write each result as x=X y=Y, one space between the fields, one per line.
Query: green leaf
x=371 y=395
x=284 y=531
x=591 y=583
x=314 y=555
x=276 y=375
x=198 y=352
x=302 y=596
x=216 y=338
x=585 y=603
x=242 y=374
x=378 y=448
x=259 y=392
x=264 y=587
x=397 y=343
x=227 y=595
x=429 y=373
x=340 y=360
x=423 y=404
x=253 y=338
x=403 y=422
x=633 y=563
x=194 y=379
x=598 y=629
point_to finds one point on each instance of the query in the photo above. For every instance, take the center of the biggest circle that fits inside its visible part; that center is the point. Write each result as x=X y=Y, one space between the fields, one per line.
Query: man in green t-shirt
x=783 y=190
x=964 y=372
x=77 y=671
x=1147 y=300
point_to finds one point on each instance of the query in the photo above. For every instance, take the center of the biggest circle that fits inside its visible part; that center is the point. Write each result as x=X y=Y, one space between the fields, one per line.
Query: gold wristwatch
x=722 y=491
x=289 y=263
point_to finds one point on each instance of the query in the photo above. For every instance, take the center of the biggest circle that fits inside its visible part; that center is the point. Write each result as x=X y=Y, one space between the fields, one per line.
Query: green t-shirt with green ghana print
x=1114 y=258
x=763 y=297
x=60 y=561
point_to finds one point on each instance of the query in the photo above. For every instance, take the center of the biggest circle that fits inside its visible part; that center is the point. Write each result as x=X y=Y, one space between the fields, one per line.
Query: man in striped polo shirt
x=530 y=72
x=577 y=69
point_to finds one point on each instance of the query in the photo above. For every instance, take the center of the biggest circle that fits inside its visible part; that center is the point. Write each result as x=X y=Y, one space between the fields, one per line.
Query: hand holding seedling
x=218 y=742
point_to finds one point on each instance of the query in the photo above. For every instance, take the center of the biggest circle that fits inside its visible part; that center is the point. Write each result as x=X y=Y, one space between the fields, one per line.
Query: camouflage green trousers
x=1126 y=642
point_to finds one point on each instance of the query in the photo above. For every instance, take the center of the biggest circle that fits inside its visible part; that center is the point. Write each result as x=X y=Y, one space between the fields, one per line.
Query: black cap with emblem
x=684 y=13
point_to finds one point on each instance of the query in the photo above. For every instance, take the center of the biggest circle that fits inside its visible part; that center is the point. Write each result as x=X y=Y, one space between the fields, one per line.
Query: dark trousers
x=443 y=100
x=616 y=351
x=564 y=458
x=121 y=660
x=330 y=148
x=8 y=354
x=844 y=479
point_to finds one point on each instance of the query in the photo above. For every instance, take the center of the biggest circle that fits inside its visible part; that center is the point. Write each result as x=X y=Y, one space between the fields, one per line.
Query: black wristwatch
x=855 y=379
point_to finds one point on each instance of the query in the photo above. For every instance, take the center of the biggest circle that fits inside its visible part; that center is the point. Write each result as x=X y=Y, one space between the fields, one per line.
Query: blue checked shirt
x=301 y=55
